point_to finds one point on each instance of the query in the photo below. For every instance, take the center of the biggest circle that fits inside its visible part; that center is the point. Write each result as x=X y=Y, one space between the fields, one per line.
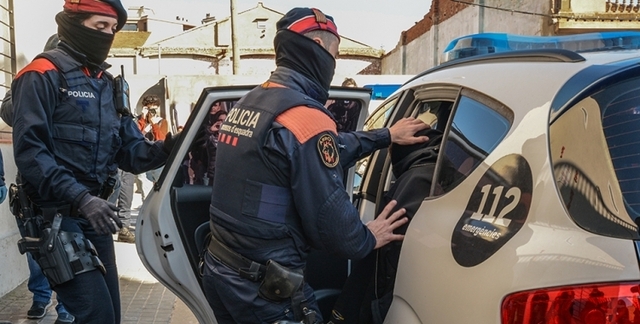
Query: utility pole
x=234 y=39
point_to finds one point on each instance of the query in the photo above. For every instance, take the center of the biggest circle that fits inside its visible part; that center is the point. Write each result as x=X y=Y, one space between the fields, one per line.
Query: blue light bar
x=486 y=43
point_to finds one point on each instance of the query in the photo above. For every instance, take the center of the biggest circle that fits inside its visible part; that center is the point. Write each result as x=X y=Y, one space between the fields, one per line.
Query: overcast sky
x=377 y=23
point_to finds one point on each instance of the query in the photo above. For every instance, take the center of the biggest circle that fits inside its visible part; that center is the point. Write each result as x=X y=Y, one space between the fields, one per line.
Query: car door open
x=174 y=220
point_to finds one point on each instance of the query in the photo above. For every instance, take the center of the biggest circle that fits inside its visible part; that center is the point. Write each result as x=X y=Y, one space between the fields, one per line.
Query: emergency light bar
x=486 y=43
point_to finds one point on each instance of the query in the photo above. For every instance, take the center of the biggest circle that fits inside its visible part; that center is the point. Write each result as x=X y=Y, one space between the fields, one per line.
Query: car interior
x=459 y=115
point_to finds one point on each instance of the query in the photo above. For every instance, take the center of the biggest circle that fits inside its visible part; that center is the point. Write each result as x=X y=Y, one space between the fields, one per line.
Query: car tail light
x=580 y=304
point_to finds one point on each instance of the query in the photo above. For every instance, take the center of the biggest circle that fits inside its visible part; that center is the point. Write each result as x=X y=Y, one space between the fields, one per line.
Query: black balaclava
x=94 y=44
x=307 y=57
x=302 y=54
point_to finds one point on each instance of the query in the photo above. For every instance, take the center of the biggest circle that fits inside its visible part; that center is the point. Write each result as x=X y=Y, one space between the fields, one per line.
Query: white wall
x=161 y=29
x=14 y=268
x=30 y=41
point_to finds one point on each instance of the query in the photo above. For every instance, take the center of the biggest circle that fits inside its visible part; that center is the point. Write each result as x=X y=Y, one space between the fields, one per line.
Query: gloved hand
x=100 y=214
x=169 y=142
x=3 y=193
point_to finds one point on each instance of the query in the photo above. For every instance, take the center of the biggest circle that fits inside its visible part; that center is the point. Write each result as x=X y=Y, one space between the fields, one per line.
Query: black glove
x=169 y=142
x=100 y=214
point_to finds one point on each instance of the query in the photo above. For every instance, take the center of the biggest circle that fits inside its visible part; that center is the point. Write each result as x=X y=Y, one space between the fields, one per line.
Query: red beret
x=110 y=8
x=304 y=20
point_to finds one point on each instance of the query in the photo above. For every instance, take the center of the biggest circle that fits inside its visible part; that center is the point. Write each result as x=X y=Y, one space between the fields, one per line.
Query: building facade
x=421 y=46
x=207 y=49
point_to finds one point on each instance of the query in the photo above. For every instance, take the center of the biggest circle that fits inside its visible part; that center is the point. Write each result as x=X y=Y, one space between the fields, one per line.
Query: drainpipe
x=12 y=42
x=403 y=55
x=481 y=16
x=436 y=31
x=135 y=63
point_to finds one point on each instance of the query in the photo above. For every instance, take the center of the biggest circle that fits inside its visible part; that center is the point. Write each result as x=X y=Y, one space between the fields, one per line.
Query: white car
x=539 y=225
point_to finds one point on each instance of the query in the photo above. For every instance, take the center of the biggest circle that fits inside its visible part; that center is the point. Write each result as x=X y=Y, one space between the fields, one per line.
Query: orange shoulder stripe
x=40 y=65
x=306 y=122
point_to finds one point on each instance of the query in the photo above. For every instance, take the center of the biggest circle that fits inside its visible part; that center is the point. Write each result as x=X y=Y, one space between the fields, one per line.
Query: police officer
x=69 y=139
x=288 y=194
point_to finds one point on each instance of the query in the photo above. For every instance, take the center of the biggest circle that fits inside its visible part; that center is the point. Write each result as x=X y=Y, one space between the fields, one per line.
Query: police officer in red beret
x=70 y=136
x=287 y=195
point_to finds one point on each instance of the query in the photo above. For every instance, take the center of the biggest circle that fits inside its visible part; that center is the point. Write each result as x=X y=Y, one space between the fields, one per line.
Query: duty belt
x=246 y=268
x=49 y=212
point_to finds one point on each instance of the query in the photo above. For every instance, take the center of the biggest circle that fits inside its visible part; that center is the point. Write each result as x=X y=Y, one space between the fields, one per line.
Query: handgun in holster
x=281 y=283
x=20 y=205
x=121 y=94
x=61 y=255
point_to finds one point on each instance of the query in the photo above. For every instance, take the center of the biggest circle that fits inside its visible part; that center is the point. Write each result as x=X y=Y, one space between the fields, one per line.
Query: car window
x=380 y=116
x=376 y=120
x=596 y=159
x=345 y=112
x=475 y=130
x=435 y=113
x=621 y=126
x=198 y=165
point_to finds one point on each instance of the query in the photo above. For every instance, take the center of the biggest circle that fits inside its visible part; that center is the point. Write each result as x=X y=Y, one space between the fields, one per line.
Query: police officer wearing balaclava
x=278 y=188
x=69 y=140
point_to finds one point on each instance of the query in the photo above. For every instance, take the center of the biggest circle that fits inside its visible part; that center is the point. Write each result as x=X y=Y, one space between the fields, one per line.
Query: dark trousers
x=235 y=300
x=125 y=197
x=39 y=285
x=91 y=297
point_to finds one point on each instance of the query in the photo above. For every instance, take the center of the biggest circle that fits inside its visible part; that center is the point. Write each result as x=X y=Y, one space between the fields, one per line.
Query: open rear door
x=174 y=218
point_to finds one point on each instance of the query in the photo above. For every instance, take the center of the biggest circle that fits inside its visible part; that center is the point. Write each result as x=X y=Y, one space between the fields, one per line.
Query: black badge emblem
x=328 y=151
x=496 y=211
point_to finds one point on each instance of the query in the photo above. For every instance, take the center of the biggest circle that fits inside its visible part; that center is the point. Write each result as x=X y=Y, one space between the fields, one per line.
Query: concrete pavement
x=143 y=298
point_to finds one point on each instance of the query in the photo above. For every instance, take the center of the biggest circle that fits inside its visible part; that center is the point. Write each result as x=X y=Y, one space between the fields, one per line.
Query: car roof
x=520 y=80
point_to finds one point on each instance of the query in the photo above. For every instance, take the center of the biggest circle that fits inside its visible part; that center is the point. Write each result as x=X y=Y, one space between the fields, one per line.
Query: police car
x=540 y=224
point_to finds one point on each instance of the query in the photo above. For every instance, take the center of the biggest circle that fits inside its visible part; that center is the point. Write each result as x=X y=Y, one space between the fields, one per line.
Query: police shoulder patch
x=328 y=151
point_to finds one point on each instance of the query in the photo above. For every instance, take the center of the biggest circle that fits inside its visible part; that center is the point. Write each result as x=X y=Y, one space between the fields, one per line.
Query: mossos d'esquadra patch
x=328 y=151
x=496 y=211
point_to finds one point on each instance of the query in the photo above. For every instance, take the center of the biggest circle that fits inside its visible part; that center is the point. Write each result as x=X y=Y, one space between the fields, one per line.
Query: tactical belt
x=50 y=212
x=66 y=210
x=244 y=267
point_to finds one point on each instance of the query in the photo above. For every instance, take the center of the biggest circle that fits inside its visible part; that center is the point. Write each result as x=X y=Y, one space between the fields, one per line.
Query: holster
x=49 y=252
x=54 y=262
x=61 y=255
x=280 y=283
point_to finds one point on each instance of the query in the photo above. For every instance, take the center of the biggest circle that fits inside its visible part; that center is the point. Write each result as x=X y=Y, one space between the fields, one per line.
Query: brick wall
x=440 y=11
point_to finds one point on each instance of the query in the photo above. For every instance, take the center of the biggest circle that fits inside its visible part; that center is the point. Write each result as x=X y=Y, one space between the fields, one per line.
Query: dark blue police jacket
x=67 y=136
x=278 y=187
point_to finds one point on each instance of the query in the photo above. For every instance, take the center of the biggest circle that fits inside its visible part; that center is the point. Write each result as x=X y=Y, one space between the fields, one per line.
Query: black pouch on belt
x=280 y=282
